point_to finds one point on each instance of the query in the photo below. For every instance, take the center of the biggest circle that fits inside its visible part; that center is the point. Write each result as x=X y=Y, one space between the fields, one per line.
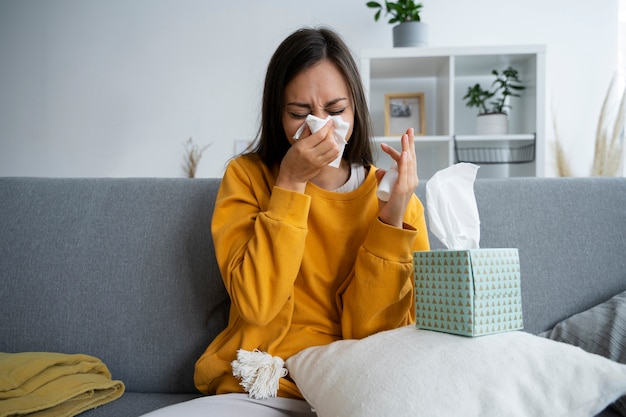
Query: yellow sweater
x=304 y=269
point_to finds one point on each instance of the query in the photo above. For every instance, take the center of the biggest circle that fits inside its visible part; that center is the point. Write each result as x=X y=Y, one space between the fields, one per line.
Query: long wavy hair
x=298 y=52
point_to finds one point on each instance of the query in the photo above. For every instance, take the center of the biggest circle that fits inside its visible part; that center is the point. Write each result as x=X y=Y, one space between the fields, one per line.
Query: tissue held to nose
x=341 y=130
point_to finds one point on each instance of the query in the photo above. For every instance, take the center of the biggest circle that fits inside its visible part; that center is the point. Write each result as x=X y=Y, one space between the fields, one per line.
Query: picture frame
x=402 y=111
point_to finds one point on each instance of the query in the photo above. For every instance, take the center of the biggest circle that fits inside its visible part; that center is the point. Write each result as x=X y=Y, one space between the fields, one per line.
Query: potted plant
x=410 y=30
x=492 y=117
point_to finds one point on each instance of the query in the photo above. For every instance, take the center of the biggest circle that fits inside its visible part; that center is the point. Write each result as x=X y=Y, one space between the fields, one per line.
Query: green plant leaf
x=400 y=11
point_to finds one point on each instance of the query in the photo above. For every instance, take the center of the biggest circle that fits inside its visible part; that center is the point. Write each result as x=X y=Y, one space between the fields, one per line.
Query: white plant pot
x=410 y=34
x=492 y=124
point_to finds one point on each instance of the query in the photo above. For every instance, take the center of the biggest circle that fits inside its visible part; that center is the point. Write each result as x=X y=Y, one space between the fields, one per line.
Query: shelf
x=418 y=139
x=443 y=76
x=407 y=67
x=492 y=50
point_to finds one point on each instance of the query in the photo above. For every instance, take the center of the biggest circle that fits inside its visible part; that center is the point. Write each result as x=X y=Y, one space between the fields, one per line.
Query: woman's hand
x=307 y=156
x=392 y=211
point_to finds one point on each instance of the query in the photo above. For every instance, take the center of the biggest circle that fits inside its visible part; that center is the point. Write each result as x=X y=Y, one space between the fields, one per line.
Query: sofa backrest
x=571 y=236
x=122 y=269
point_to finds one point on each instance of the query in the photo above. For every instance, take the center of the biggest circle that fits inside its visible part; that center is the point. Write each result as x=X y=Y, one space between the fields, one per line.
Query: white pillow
x=412 y=372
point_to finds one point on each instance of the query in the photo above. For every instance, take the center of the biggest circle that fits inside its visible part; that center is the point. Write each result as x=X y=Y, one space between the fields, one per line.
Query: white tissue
x=452 y=209
x=341 y=130
x=387 y=182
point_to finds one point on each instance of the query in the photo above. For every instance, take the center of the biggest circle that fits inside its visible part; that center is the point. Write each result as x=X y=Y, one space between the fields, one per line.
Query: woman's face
x=320 y=91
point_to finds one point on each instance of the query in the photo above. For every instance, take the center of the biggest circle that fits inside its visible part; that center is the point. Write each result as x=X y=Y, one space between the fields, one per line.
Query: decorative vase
x=492 y=124
x=410 y=34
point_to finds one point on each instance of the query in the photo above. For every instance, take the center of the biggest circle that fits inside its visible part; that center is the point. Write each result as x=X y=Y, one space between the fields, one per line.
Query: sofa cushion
x=121 y=269
x=408 y=372
x=600 y=330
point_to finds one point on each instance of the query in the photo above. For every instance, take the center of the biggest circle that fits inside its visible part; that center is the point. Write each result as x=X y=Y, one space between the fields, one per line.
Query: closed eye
x=299 y=110
x=336 y=112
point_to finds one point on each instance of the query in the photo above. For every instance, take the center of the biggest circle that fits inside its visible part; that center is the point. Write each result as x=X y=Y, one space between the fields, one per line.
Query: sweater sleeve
x=259 y=232
x=379 y=294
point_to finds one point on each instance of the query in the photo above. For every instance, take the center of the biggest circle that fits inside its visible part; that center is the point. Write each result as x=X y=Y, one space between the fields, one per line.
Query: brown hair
x=299 y=51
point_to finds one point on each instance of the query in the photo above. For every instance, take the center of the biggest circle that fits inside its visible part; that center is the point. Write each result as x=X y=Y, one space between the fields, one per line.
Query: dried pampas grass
x=562 y=164
x=191 y=157
x=608 y=158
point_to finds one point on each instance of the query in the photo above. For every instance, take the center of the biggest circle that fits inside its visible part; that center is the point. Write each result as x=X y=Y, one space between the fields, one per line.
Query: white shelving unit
x=443 y=75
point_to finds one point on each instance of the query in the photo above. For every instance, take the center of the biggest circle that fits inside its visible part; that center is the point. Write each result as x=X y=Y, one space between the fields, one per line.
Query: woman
x=307 y=252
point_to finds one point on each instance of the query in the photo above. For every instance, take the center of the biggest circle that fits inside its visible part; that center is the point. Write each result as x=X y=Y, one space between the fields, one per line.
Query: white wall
x=115 y=87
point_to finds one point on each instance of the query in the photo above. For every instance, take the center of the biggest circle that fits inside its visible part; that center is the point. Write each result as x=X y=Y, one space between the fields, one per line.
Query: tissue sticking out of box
x=452 y=209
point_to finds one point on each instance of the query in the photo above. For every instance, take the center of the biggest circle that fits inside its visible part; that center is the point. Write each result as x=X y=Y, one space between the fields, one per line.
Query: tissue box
x=468 y=292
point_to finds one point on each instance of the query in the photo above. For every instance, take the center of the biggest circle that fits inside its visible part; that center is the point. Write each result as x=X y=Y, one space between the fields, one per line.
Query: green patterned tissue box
x=468 y=292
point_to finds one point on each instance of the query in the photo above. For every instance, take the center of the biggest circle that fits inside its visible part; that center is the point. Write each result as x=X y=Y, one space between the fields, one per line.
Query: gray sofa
x=124 y=269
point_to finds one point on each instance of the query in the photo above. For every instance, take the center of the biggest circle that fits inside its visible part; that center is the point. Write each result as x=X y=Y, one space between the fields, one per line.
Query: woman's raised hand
x=392 y=211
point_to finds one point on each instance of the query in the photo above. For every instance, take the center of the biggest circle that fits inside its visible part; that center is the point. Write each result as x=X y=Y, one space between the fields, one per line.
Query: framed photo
x=403 y=111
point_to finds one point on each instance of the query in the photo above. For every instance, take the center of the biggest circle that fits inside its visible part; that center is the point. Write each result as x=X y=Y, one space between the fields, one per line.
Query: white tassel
x=259 y=372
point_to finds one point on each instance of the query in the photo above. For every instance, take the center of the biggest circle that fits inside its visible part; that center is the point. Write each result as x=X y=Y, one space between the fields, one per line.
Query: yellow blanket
x=44 y=384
